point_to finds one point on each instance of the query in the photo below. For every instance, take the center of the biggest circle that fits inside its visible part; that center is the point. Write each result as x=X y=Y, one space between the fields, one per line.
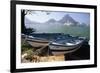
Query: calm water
x=72 y=30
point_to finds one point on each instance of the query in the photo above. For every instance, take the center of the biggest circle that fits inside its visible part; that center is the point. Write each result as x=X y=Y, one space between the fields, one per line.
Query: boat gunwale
x=62 y=45
x=59 y=50
x=38 y=40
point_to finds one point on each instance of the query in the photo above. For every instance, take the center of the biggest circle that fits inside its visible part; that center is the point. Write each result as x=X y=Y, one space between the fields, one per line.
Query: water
x=72 y=30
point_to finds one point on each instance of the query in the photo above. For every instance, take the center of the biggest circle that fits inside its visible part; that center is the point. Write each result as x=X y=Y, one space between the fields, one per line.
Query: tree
x=23 y=28
x=29 y=31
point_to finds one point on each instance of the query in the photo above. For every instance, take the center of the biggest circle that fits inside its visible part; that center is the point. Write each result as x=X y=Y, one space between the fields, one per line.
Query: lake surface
x=83 y=31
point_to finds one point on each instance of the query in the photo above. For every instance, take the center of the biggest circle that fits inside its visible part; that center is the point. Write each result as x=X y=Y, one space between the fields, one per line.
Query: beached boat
x=64 y=46
x=57 y=42
x=41 y=39
x=37 y=42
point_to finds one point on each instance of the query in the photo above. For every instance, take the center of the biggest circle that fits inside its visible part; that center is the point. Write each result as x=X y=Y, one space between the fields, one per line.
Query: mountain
x=51 y=21
x=27 y=21
x=83 y=24
x=68 y=20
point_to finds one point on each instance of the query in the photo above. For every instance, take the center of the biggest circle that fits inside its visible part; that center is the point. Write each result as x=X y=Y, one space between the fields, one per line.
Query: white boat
x=58 y=44
x=37 y=42
x=40 y=39
x=58 y=48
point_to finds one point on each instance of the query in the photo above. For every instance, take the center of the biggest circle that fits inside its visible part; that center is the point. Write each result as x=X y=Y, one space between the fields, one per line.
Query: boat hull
x=59 y=50
x=55 y=43
x=37 y=43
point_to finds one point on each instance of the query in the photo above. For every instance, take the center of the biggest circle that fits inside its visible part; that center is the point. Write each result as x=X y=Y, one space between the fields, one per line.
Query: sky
x=43 y=16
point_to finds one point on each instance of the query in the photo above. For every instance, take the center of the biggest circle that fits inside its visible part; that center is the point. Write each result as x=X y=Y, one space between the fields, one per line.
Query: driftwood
x=43 y=51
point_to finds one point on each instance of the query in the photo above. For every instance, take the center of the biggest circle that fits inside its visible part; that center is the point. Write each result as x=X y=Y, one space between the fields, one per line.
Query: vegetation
x=25 y=30
x=25 y=46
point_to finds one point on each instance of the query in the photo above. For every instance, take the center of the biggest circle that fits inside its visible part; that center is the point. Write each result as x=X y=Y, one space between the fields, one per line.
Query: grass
x=25 y=46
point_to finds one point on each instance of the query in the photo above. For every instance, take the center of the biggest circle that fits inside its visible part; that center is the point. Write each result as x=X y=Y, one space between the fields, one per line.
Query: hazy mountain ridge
x=66 y=20
x=27 y=21
x=51 y=21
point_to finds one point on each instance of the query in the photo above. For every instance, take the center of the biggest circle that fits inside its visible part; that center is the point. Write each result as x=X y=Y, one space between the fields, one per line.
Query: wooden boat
x=37 y=42
x=58 y=43
x=58 y=48
x=41 y=39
